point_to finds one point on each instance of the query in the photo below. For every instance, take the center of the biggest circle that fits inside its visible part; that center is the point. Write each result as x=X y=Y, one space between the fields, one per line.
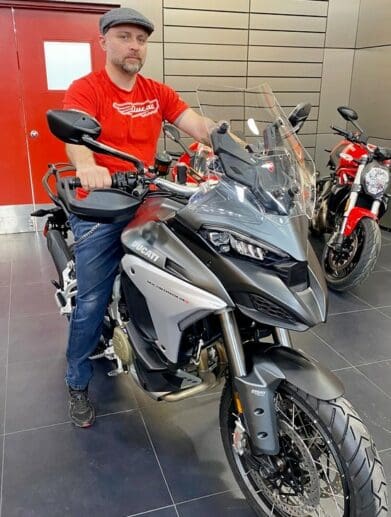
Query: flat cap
x=123 y=15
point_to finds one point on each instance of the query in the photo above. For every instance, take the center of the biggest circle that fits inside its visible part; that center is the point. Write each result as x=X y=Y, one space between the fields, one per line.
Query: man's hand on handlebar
x=94 y=176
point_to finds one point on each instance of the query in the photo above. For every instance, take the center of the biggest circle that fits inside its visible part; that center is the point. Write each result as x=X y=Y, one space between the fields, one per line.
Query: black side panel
x=144 y=350
x=137 y=308
x=163 y=381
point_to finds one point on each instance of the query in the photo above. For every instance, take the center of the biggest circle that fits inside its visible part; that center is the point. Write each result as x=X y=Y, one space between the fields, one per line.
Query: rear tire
x=343 y=273
x=345 y=439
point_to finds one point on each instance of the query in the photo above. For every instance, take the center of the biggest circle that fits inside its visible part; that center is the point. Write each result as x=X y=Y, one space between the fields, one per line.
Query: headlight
x=375 y=181
x=227 y=241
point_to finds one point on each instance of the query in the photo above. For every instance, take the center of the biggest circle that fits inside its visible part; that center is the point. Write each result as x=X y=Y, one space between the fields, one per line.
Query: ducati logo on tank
x=143 y=250
x=137 y=109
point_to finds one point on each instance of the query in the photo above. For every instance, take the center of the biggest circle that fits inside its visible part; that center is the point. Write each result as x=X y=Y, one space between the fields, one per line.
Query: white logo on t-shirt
x=137 y=109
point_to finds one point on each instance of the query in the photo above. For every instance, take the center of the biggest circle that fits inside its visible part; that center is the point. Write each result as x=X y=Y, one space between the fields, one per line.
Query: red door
x=36 y=62
x=46 y=60
x=15 y=179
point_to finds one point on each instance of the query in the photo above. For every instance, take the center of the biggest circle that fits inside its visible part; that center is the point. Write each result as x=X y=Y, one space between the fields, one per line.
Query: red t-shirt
x=131 y=121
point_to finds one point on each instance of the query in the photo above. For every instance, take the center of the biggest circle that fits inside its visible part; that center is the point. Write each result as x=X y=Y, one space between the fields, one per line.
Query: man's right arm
x=91 y=175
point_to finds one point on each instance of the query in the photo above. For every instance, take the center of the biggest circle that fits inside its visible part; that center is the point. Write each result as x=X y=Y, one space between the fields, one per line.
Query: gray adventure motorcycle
x=211 y=281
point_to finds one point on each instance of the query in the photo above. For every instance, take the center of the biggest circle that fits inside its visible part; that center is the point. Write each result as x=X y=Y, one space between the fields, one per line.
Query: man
x=130 y=109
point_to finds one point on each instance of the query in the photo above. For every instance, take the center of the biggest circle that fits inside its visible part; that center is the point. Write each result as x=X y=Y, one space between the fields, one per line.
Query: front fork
x=256 y=390
x=346 y=227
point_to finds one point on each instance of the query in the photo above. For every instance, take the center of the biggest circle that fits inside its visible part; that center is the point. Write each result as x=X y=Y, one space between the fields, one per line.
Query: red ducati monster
x=350 y=203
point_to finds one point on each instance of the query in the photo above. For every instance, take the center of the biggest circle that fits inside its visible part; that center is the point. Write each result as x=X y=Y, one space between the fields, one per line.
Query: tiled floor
x=143 y=457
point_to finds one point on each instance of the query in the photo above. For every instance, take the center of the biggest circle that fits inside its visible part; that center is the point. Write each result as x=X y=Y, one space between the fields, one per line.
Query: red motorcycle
x=350 y=203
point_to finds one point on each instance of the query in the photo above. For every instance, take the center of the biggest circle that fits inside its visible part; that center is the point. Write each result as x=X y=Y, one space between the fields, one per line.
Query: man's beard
x=131 y=68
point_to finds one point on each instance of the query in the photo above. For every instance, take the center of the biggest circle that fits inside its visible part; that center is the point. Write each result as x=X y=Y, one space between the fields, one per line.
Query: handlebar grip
x=74 y=183
x=118 y=180
x=340 y=130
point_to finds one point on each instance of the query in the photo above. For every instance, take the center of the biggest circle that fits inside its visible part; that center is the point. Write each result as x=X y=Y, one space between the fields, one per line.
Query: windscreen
x=262 y=161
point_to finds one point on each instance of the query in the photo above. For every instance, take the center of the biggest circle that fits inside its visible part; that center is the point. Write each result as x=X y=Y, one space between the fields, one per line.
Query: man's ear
x=102 y=41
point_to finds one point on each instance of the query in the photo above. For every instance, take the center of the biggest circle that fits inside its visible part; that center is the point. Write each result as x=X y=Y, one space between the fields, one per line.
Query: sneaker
x=81 y=410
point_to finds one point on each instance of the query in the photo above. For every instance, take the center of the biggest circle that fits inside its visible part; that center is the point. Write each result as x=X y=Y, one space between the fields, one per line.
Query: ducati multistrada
x=210 y=284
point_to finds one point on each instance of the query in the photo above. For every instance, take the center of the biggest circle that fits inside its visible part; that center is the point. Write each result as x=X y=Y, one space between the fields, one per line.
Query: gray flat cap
x=123 y=15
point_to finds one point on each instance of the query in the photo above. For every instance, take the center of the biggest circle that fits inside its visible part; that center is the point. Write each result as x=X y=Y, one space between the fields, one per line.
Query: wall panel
x=342 y=23
x=287 y=23
x=214 y=5
x=304 y=7
x=193 y=18
x=289 y=39
x=208 y=68
x=205 y=35
x=201 y=51
x=287 y=54
x=374 y=23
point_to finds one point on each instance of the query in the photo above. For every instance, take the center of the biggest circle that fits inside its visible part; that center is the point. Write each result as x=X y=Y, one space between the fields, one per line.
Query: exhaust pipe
x=209 y=379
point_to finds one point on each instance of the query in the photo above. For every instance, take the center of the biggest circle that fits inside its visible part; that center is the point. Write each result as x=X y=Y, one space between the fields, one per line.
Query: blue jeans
x=98 y=252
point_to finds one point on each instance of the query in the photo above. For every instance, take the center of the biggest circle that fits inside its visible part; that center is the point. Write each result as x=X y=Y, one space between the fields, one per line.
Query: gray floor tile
x=3 y=373
x=314 y=347
x=386 y=459
x=24 y=245
x=26 y=273
x=4 y=301
x=360 y=337
x=32 y=300
x=344 y=302
x=230 y=504
x=380 y=374
x=37 y=395
x=161 y=512
x=384 y=259
x=386 y=236
x=4 y=325
x=187 y=440
x=376 y=290
x=37 y=337
x=99 y=471
x=386 y=311
x=5 y=272
x=373 y=406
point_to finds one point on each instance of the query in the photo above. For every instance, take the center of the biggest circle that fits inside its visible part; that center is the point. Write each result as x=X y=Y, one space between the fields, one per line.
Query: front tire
x=332 y=463
x=350 y=267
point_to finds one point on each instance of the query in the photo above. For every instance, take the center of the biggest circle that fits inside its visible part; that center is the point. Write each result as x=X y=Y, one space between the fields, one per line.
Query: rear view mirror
x=347 y=113
x=299 y=114
x=70 y=125
x=172 y=132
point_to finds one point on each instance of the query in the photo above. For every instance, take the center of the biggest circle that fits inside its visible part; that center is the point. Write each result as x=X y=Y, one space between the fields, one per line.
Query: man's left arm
x=195 y=125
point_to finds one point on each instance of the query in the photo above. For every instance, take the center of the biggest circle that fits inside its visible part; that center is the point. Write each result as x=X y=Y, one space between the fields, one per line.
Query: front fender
x=356 y=214
x=257 y=390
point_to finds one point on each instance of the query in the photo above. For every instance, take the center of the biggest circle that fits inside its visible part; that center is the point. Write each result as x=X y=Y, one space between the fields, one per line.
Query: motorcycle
x=197 y=163
x=350 y=204
x=211 y=281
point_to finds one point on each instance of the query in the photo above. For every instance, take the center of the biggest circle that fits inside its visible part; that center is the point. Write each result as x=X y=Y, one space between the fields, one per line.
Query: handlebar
x=349 y=135
x=129 y=181
x=118 y=180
